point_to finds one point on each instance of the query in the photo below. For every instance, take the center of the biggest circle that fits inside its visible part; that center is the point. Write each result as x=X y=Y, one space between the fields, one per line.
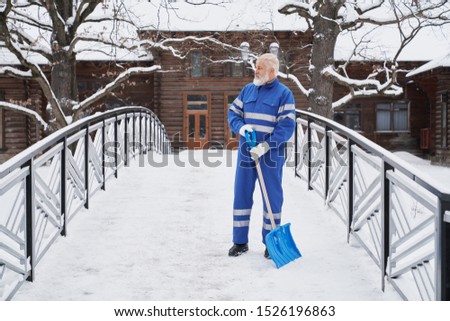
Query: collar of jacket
x=271 y=84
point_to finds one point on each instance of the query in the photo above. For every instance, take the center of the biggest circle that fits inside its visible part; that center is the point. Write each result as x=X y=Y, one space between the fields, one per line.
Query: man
x=266 y=107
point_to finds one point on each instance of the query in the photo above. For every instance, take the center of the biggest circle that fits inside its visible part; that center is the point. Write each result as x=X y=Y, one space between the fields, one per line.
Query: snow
x=235 y=15
x=162 y=230
x=443 y=61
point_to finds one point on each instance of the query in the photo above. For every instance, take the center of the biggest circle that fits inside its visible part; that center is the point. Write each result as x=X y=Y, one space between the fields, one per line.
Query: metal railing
x=43 y=187
x=399 y=215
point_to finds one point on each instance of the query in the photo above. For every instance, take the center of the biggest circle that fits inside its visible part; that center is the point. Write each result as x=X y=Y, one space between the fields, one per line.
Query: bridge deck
x=164 y=233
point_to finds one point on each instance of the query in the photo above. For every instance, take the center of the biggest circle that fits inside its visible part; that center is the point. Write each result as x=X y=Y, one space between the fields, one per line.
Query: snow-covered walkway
x=163 y=233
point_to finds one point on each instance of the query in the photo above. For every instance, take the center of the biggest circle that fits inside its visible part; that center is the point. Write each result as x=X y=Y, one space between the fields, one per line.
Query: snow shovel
x=279 y=241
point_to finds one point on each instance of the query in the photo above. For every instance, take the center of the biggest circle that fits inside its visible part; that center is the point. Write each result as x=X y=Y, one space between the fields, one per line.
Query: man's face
x=262 y=74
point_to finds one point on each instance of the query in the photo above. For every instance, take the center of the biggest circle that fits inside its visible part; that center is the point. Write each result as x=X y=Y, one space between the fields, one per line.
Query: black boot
x=266 y=254
x=238 y=249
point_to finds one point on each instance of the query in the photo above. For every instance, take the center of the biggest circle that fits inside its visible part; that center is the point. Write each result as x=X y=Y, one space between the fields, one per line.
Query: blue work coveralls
x=270 y=110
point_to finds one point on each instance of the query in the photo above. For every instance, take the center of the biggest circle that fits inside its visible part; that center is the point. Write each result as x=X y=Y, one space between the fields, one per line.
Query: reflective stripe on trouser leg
x=272 y=173
x=244 y=187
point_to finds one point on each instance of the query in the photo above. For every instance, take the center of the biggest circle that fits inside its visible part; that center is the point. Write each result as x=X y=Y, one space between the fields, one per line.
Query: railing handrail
x=21 y=158
x=424 y=180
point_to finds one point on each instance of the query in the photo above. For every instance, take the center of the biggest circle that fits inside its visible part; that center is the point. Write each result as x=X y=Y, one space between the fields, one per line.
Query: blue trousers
x=245 y=181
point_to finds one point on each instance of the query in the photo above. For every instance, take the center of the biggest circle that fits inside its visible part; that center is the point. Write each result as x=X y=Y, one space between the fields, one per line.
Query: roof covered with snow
x=216 y=15
x=244 y=15
x=440 y=62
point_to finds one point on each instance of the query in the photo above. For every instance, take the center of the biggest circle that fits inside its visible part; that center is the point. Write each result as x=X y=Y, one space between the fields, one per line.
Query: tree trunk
x=324 y=42
x=64 y=80
x=63 y=71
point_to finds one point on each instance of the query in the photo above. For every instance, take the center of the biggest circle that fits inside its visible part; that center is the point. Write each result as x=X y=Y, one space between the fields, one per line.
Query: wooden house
x=392 y=122
x=193 y=97
x=18 y=131
x=431 y=82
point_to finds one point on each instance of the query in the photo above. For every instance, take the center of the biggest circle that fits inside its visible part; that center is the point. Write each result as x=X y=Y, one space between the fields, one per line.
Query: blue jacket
x=269 y=109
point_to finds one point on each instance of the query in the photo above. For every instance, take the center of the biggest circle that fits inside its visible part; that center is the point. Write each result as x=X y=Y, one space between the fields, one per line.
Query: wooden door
x=196 y=120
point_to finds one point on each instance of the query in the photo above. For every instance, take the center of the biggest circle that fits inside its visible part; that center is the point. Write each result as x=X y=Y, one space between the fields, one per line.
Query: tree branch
x=26 y=111
x=111 y=86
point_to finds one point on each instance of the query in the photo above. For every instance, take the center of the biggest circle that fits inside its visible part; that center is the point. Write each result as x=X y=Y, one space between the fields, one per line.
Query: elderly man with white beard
x=267 y=108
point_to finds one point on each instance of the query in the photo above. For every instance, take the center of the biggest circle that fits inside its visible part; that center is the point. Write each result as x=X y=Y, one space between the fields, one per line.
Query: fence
x=400 y=216
x=42 y=188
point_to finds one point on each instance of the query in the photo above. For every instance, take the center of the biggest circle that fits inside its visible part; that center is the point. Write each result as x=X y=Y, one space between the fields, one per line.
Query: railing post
x=103 y=156
x=29 y=210
x=140 y=133
x=145 y=136
x=327 y=162
x=442 y=277
x=350 y=180
x=385 y=221
x=117 y=147
x=296 y=149
x=63 y=187
x=86 y=166
x=155 y=133
x=309 y=146
x=133 y=142
x=126 y=141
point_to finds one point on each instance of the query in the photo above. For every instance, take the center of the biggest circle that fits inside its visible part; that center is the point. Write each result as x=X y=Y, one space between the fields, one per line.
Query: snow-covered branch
x=297 y=82
x=26 y=111
x=16 y=73
x=394 y=91
x=113 y=85
x=367 y=87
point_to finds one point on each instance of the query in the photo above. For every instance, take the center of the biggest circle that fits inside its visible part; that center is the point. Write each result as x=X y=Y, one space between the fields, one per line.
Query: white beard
x=261 y=81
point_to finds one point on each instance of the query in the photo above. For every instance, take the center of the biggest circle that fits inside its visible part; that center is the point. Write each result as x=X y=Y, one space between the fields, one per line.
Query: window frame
x=203 y=68
x=230 y=68
x=444 y=120
x=347 y=111
x=392 y=108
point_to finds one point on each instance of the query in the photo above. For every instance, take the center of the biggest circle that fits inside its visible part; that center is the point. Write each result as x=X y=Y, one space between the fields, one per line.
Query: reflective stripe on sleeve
x=236 y=110
x=238 y=103
x=291 y=116
x=287 y=107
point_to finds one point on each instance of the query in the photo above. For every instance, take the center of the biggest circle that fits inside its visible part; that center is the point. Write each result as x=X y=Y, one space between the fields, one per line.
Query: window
x=236 y=69
x=198 y=66
x=444 y=119
x=197 y=102
x=349 y=116
x=392 y=117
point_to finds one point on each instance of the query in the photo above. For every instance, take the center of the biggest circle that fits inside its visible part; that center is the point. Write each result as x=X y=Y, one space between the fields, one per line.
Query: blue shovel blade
x=281 y=245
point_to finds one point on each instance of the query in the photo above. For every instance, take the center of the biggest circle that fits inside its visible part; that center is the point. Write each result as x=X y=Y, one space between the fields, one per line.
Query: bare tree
x=57 y=31
x=329 y=19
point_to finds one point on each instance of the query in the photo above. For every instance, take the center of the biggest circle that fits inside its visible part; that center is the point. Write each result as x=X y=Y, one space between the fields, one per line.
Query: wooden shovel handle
x=266 y=197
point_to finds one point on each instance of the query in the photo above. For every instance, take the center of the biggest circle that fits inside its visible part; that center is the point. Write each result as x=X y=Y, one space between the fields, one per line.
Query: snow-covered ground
x=162 y=232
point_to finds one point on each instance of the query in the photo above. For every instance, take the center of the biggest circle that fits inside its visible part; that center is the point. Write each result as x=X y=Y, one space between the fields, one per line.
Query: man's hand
x=259 y=150
x=245 y=128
